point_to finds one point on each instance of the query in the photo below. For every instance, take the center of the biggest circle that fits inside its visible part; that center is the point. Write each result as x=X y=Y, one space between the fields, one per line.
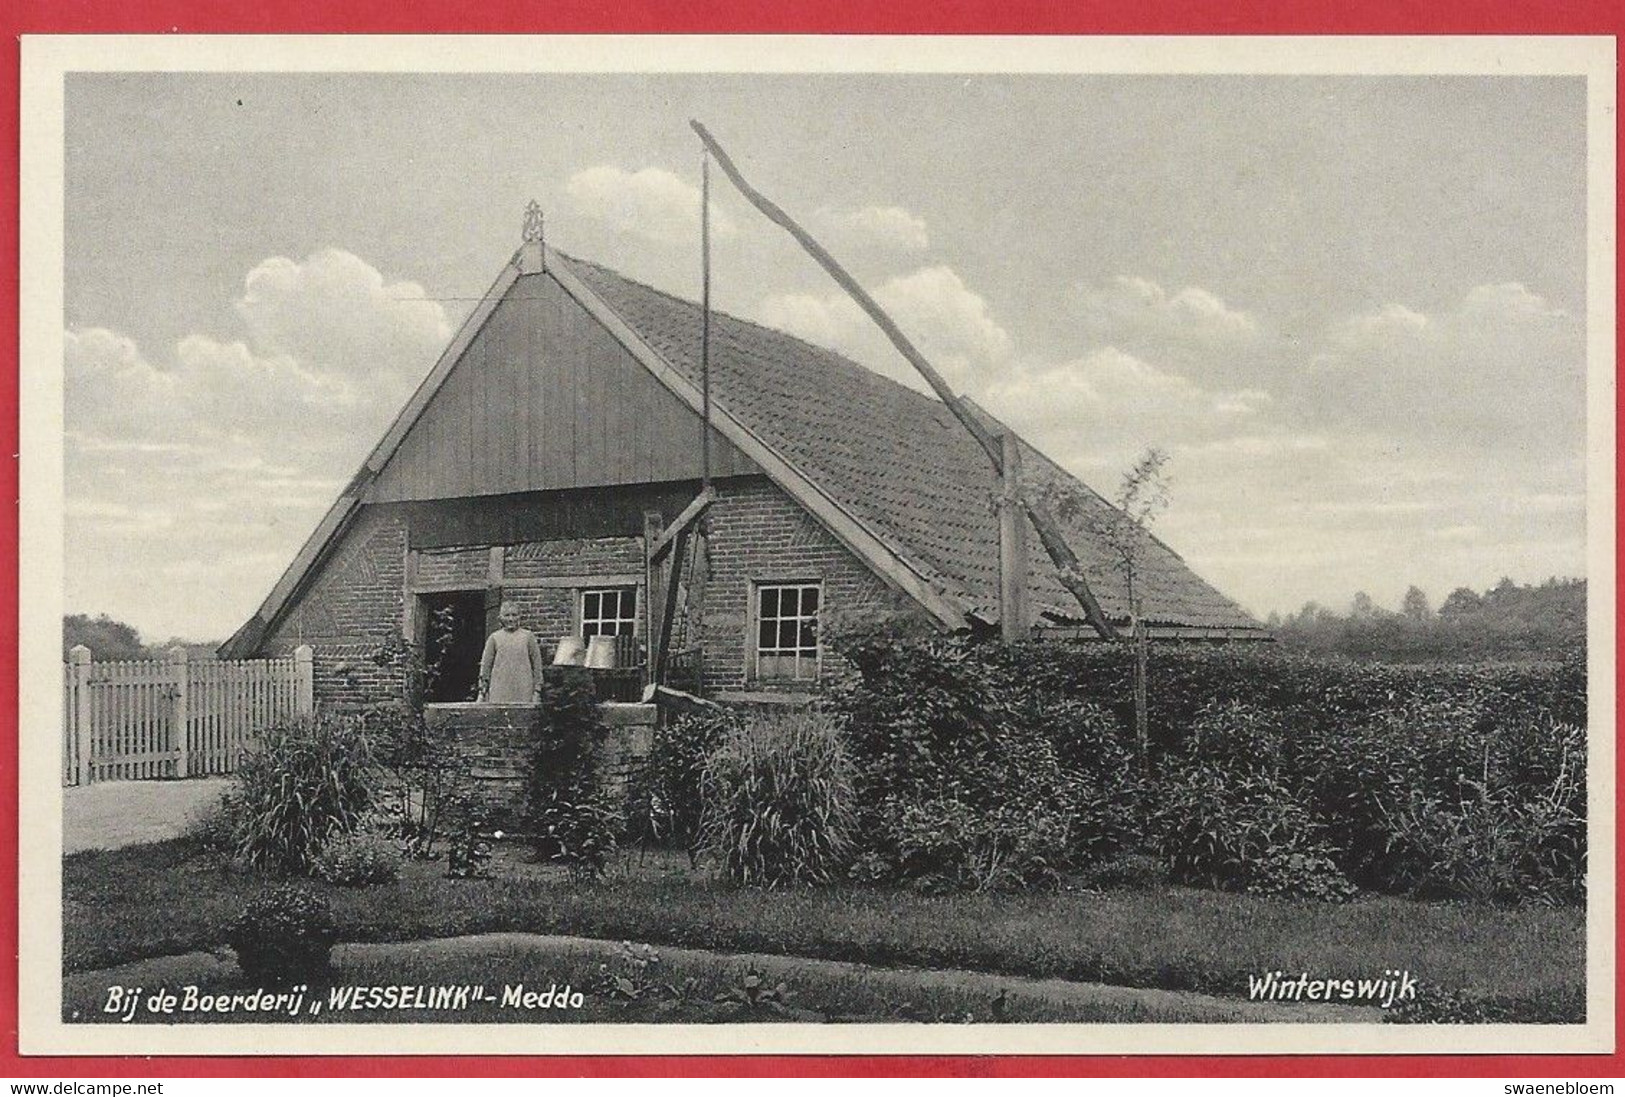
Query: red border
x=1044 y=17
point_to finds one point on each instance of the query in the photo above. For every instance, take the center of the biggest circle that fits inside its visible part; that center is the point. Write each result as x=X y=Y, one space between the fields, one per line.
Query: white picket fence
x=173 y=717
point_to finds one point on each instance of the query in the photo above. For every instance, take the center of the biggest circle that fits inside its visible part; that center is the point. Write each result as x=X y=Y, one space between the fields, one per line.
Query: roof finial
x=532 y=252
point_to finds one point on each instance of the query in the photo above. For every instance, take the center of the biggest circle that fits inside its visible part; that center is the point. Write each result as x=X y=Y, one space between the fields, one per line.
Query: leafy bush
x=357 y=861
x=1130 y=871
x=663 y=796
x=1494 y=841
x=570 y=813
x=305 y=782
x=777 y=797
x=577 y=827
x=962 y=777
x=284 y=935
x=1103 y=790
x=1300 y=872
x=1407 y=768
x=422 y=778
x=948 y=845
x=1240 y=829
x=468 y=849
x=213 y=832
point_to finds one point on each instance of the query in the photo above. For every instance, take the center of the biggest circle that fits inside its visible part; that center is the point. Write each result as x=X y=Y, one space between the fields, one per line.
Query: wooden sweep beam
x=668 y=606
x=1068 y=570
x=663 y=543
x=1049 y=532
x=850 y=284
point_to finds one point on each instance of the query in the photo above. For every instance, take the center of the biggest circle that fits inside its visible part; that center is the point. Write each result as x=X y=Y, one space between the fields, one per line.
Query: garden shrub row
x=956 y=765
x=988 y=766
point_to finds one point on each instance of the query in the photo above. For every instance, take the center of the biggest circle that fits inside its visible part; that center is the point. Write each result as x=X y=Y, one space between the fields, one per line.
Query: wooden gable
x=545 y=398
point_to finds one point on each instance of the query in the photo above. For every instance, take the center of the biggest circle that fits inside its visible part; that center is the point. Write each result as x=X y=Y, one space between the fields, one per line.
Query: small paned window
x=609 y=612
x=787 y=631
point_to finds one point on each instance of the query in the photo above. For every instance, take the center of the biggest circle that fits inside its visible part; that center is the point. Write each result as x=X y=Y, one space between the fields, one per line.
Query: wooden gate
x=172 y=717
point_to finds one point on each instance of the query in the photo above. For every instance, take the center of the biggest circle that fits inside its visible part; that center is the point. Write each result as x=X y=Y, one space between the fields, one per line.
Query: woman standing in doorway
x=511 y=668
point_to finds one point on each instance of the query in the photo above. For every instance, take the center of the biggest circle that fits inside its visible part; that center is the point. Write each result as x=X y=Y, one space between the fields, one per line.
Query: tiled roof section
x=900 y=463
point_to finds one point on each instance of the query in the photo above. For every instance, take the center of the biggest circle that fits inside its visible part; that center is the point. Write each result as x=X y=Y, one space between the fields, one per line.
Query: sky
x=1350 y=309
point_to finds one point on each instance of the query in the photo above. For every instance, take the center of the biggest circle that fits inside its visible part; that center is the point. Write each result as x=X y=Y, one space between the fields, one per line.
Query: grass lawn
x=160 y=899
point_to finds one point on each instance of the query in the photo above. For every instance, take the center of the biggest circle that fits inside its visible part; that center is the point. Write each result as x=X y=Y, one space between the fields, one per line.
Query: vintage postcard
x=638 y=545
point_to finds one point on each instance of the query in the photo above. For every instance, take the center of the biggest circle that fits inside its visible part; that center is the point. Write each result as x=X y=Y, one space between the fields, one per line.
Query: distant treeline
x=110 y=640
x=1508 y=621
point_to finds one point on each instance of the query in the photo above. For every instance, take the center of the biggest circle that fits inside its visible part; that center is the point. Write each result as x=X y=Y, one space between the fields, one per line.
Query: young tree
x=1141 y=498
x=1126 y=531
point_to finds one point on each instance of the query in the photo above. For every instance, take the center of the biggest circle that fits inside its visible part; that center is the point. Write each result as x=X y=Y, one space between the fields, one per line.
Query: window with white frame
x=609 y=611
x=787 y=630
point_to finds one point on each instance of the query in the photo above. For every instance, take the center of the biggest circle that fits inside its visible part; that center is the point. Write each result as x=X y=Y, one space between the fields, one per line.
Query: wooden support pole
x=653 y=595
x=409 y=598
x=180 y=742
x=668 y=611
x=79 y=668
x=1067 y=568
x=304 y=665
x=705 y=323
x=1012 y=545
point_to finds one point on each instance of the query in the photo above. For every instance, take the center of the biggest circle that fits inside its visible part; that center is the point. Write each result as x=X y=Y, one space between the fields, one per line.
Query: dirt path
x=113 y=814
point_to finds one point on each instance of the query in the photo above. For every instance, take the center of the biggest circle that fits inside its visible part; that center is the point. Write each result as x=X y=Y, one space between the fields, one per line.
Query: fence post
x=304 y=665
x=79 y=670
x=182 y=742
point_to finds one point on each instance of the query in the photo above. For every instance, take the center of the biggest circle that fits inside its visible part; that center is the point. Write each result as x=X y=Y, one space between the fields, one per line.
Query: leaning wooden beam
x=773 y=213
x=662 y=544
x=1060 y=553
x=1067 y=567
x=668 y=610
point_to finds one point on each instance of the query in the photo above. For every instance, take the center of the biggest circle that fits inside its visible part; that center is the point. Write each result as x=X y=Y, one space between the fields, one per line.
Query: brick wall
x=550 y=612
x=467 y=566
x=351 y=614
x=584 y=556
x=497 y=742
x=759 y=534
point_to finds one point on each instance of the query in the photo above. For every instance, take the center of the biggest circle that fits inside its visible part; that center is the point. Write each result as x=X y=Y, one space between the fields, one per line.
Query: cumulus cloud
x=326 y=339
x=205 y=392
x=869 y=228
x=1098 y=411
x=1501 y=368
x=650 y=203
x=336 y=310
x=1129 y=308
x=235 y=445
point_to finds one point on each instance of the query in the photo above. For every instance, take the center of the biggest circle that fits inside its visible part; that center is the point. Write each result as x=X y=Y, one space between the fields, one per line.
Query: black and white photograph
x=872 y=545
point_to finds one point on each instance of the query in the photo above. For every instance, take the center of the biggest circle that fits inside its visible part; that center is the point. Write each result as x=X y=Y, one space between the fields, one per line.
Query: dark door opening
x=453 y=634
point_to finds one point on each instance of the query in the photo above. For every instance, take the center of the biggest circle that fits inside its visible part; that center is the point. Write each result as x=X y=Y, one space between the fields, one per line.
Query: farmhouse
x=556 y=456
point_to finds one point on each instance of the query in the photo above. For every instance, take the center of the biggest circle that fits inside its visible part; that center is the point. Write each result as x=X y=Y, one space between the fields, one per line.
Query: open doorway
x=453 y=638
